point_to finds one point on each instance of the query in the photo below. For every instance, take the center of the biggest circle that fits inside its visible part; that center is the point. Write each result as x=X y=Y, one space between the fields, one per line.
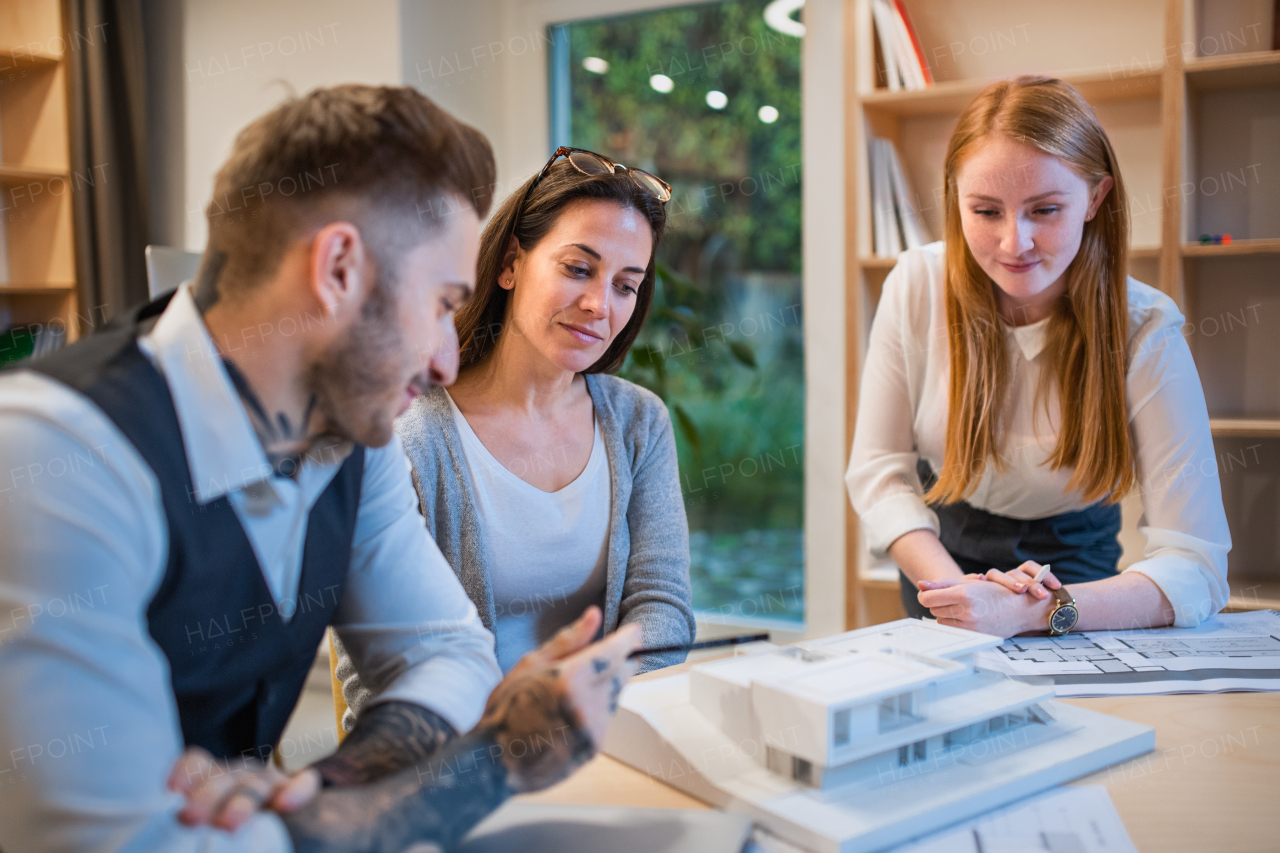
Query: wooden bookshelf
x=37 y=252
x=1152 y=97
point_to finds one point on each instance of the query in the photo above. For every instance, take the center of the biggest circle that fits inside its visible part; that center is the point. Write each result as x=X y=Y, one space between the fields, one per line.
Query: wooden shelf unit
x=37 y=247
x=1130 y=62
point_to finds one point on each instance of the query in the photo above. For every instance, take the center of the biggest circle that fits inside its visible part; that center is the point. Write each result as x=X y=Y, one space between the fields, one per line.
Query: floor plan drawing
x=1236 y=651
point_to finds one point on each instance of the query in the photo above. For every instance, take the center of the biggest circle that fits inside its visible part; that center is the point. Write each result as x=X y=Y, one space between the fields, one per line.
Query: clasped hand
x=1004 y=604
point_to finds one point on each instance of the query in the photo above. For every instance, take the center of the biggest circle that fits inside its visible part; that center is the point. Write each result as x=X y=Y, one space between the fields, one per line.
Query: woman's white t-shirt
x=902 y=416
x=547 y=551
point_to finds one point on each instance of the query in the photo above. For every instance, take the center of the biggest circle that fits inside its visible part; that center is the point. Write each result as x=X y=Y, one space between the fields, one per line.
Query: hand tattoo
x=615 y=690
x=386 y=739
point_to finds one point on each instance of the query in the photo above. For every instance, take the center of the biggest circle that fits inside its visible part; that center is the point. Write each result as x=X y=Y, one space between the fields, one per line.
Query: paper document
x=556 y=828
x=1230 y=651
x=1064 y=820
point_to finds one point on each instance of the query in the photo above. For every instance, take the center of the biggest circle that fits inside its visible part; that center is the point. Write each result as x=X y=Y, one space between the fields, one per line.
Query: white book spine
x=914 y=232
x=883 y=16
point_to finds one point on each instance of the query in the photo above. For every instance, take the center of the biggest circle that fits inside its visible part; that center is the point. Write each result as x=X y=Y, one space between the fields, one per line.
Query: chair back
x=168 y=267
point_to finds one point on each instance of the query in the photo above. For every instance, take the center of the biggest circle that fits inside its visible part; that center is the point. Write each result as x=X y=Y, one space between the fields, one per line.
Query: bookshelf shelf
x=952 y=96
x=18 y=57
x=1248 y=594
x=1234 y=71
x=27 y=288
x=876 y=262
x=1245 y=426
x=1262 y=246
x=1180 y=121
x=21 y=174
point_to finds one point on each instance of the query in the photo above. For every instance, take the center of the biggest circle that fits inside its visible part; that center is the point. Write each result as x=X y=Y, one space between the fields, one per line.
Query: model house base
x=862 y=740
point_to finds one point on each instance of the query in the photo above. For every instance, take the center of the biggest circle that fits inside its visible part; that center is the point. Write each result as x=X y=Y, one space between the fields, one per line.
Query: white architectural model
x=863 y=740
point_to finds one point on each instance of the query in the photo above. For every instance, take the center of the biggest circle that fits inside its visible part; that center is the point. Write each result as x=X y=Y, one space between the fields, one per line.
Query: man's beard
x=358 y=381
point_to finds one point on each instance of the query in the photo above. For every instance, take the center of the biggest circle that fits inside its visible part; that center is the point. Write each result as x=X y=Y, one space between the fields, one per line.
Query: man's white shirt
x=88 y=724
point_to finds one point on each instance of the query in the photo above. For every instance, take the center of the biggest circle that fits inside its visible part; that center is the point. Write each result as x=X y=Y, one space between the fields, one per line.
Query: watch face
x=1063 y=619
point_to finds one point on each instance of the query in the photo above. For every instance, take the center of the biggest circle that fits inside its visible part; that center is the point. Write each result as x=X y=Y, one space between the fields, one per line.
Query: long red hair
x=1088 y=333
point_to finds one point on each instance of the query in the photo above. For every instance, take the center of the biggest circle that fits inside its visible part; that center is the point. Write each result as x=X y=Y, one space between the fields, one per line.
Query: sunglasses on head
x=591 y=163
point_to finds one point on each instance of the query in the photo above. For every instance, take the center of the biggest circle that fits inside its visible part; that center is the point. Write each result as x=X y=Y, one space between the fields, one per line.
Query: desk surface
x=1212 y=782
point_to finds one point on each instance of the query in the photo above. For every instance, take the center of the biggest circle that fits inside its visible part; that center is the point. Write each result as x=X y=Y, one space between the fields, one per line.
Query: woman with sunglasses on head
x=1018 y=384
x=550 y=485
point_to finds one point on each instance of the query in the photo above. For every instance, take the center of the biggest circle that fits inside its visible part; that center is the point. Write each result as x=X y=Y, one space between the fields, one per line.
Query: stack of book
x=31 y=341
x=895 y=216
x=904 y=64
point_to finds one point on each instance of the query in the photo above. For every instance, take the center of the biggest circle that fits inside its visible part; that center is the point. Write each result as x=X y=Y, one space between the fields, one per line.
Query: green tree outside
x=723 y=344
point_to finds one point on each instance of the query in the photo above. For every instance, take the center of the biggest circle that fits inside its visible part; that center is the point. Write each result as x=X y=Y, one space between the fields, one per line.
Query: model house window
x=840 y=729
x=708 y=97
x=897 y=711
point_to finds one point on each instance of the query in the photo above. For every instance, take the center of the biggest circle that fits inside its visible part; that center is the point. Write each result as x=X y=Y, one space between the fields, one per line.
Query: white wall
x=242 y=57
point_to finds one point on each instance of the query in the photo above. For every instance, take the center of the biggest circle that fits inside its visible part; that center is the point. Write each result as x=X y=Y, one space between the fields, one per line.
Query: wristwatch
x=1064 y=615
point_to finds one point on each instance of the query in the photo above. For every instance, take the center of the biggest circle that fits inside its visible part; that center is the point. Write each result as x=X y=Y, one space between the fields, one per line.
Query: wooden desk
x=1212 y=783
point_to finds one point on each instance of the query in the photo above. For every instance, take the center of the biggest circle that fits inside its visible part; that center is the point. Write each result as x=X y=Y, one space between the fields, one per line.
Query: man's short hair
x=386 y=158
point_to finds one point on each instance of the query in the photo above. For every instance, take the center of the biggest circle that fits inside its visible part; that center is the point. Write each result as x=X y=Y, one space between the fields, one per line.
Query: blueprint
x=1231 y=651
x=1065 y=820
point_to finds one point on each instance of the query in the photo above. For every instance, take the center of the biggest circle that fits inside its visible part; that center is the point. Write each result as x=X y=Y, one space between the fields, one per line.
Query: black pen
x=706 y=644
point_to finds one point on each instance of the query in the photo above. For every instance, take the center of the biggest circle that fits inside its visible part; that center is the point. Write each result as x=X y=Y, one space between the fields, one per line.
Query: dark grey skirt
x=1081 y=546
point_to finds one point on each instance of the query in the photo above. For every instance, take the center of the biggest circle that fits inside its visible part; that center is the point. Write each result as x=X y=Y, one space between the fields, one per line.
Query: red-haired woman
x=1018 y=384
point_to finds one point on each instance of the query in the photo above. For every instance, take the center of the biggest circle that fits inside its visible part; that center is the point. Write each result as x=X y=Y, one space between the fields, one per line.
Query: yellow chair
x=339 y=704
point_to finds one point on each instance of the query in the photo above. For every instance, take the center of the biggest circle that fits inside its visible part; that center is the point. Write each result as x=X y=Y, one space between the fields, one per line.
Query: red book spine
x=915 y=42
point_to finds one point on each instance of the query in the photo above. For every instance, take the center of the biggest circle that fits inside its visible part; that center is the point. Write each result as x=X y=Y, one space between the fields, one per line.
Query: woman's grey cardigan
x=648 y=563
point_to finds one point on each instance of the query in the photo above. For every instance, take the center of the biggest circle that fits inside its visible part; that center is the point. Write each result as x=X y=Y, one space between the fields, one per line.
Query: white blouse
x=902 y=415
x=549 y=551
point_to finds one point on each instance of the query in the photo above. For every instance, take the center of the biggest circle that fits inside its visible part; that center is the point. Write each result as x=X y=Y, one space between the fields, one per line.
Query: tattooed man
x=192 y=495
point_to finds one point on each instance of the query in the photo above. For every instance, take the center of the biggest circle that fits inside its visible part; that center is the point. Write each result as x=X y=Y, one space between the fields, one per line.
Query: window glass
x=708 y=98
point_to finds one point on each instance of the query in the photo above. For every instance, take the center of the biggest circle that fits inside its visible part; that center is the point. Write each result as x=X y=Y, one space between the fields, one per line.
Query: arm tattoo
x=282 y=441
x=436 y=802
x=387 y=738
x=206 y=289
x=530 y=737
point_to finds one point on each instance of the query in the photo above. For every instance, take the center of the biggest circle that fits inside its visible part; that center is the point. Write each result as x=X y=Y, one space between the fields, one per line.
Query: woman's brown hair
x=1088 y=332
x=528 y=215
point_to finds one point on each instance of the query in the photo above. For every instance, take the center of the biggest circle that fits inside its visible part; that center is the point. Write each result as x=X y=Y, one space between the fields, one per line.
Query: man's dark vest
x=237 y=667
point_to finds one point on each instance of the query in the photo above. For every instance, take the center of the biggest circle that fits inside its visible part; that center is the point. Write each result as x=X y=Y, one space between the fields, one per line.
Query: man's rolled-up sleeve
x=410 y=630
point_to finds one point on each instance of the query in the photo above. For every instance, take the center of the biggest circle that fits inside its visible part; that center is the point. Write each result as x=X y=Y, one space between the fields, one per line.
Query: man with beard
x=191 y=495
